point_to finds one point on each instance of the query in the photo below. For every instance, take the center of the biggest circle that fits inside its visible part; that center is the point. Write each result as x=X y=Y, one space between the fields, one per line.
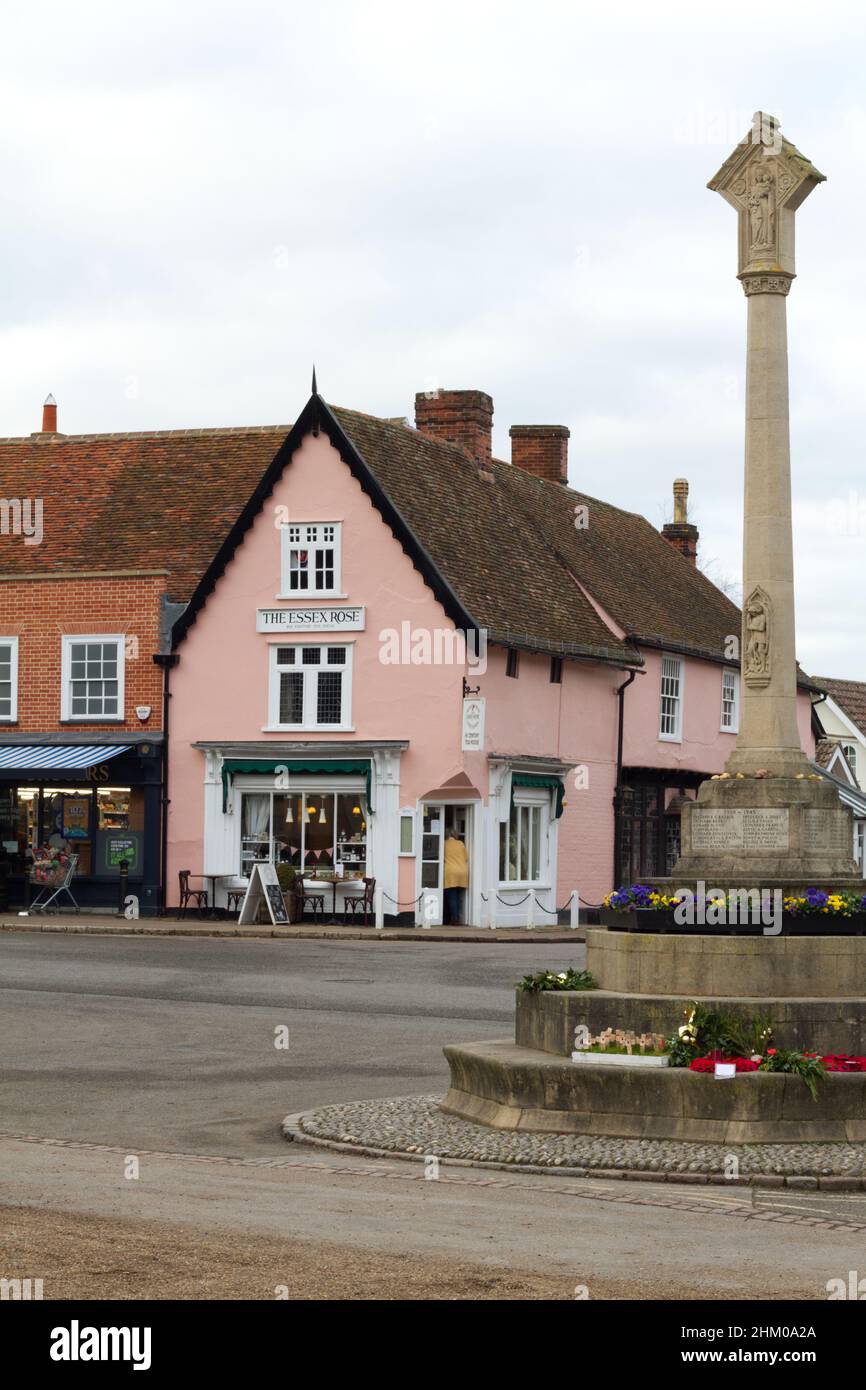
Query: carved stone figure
x=757 y=620
x=762 y=209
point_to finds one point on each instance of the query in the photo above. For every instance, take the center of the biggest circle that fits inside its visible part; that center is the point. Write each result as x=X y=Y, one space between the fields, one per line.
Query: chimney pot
x=49 y=415
x=464 y=418
x=541 y=450
x=680 y=533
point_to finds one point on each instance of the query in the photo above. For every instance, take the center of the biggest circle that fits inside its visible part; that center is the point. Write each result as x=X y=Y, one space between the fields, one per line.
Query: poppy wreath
x=708 y=1064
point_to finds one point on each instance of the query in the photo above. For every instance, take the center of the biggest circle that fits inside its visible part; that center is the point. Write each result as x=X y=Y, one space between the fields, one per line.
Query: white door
x=432 y=842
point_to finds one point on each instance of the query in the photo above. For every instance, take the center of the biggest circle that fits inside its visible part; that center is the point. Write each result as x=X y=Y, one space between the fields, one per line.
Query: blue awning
x=59 y=755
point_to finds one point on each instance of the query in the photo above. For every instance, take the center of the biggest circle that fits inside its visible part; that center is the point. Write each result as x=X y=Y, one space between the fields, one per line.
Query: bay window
x=309 y=830
x=523 y=842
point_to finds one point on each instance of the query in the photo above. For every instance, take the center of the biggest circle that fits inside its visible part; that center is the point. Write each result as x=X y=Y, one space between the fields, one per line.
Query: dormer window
x=310 y=559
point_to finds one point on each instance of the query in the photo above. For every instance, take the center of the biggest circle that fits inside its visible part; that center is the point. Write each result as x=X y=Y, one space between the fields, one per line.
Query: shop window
x=92 y=678
x=8 y=678
x=309 y=830
x=521 y=843
x=311 y=559
x=310 y=687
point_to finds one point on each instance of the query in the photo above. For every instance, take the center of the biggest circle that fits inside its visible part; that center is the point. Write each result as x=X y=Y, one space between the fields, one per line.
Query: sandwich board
x=263 y=886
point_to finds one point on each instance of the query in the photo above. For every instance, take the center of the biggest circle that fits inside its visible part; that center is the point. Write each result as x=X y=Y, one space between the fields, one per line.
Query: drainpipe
x=166 y=661
x=617 y=795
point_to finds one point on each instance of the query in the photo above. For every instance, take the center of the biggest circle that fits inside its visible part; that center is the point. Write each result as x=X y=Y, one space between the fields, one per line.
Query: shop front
x=99 y=802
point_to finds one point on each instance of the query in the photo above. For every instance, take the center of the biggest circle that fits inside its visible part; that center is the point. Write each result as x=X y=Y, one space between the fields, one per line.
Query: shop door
x=432 y=842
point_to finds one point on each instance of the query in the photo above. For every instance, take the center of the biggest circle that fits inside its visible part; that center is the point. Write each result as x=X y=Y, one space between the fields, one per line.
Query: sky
x=201 y=200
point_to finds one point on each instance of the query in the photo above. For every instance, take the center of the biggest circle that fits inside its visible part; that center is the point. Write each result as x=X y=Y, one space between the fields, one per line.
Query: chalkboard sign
x=264 y=887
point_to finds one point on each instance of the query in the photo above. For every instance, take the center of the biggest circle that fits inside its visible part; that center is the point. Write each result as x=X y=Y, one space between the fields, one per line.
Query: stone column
x=766 y=179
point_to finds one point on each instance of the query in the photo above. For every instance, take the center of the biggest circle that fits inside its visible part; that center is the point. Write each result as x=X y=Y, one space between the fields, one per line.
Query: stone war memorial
x=727 y=1002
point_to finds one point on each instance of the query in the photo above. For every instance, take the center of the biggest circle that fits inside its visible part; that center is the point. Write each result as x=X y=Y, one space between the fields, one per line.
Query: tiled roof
x=850 y=696
x=509 y=545
x=503 y=541
x=163 y=500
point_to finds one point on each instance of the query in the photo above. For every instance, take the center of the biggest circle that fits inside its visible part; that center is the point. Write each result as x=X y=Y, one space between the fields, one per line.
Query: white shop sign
x=473 y=726
x=310 y=619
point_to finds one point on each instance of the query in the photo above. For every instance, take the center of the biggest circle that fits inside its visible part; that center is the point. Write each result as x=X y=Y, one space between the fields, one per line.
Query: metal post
x=124 y=885
x=530 y=910
x=379 y=906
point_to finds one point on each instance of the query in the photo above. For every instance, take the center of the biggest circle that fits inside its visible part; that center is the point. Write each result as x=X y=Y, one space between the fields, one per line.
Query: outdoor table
x=318 y=886
x=216 y=913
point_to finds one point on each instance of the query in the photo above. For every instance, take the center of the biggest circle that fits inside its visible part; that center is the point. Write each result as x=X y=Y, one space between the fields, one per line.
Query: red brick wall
x=460 y=417
x=541 y=450
x=41 y=611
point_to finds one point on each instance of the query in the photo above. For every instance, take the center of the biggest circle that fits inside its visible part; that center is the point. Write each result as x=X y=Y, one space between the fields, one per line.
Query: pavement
x=109 y=924
x=140 y=1150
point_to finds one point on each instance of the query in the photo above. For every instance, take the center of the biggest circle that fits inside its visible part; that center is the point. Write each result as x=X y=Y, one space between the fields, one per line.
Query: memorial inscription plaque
x=746 y=828
x=825 y=831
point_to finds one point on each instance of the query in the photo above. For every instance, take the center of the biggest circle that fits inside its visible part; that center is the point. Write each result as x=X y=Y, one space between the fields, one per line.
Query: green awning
x=531 y=779
x=326 y=765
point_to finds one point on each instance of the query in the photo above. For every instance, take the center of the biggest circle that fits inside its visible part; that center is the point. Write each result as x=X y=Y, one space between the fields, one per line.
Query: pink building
x=400 y=635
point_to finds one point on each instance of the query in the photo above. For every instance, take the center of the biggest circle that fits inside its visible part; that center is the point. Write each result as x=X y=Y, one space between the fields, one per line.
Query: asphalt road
x=170 y=1043
x=164 y=1049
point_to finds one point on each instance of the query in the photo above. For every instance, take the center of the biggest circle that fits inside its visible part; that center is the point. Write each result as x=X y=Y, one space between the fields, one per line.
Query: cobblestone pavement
x=416 y=1125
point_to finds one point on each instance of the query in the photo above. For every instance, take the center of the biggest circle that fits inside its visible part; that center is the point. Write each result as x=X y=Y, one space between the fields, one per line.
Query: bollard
x=124 y=886
x=530 y=910
x=574 y=910
x=379 y=907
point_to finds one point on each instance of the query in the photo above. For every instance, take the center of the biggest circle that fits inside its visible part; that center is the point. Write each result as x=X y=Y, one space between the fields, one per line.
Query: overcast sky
x=199 y=200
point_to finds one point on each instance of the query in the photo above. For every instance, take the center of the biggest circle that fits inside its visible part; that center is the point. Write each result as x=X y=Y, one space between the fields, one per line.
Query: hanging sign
x=472 y=740
x=264 y=886
x=310 y=619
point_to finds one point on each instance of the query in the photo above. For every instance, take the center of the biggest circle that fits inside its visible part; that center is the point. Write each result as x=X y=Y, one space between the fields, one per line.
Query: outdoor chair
x=309 y=899
x=188 y=895
x=361 y=903
x=234 y=898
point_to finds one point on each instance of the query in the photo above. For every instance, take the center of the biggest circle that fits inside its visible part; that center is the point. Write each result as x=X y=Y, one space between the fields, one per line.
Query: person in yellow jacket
x=456 y=877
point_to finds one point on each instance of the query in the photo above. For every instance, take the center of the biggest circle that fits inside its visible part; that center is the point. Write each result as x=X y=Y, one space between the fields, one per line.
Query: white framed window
x=523 y=855
x=407 y=831
x=671 y=707
x=311 y=556
x=850 y=751
x=860 y=845
x=92 y=677
x=730 y=702
x=310 y=686
x=8 y=679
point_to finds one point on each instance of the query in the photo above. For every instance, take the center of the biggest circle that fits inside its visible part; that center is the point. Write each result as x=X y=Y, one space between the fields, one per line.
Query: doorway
x=437 y=822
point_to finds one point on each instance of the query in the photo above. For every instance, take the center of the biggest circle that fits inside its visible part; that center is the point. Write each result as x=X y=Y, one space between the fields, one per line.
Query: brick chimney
x=542 y=450
x=49 y=415
x=680 y=533
x=460 y=417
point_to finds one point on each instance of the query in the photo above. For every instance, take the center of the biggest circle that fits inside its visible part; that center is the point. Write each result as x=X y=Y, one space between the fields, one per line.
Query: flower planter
x=619 y=1059
x=793 y=924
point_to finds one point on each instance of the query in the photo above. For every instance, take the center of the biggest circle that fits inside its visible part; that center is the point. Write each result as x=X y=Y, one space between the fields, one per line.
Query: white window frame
x=540 y=799
x=845 y=744
x=677 y=735
x=295 y=535
x=66 y=715
x=734 y=726
x=410 y=814
x=310 y=697
x=12 y=716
